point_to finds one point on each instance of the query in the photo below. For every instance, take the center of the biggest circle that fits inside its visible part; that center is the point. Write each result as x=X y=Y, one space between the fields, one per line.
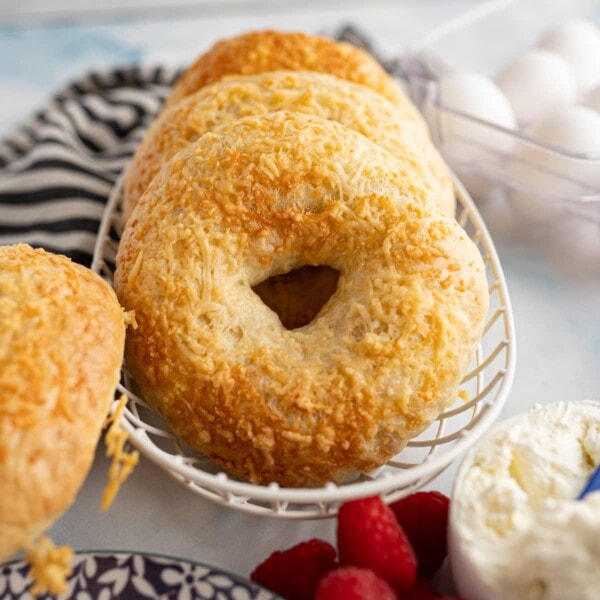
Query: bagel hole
x=298 y=295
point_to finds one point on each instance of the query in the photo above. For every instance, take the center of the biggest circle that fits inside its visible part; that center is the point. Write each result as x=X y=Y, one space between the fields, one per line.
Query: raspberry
x=424 y=518
x=354 y=583
x=369 y=536
x=295 y=573
x=422 y=590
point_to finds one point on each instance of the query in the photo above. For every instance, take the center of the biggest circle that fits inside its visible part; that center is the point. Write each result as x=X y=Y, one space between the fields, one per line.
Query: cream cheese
x=515 y=518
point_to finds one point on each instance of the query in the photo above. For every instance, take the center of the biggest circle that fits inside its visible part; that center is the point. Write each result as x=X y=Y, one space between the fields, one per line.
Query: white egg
x=476 y=96
x=470 y=146
x=537 y=83
x=578 y=42
x=546 y=175
x=574 y=129
x=592 y=100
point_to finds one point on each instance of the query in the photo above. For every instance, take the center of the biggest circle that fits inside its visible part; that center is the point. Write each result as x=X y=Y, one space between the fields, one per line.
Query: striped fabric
x=57 y=171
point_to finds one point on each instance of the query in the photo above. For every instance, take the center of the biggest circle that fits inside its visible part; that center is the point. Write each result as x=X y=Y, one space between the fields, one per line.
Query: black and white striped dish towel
x=57 y=170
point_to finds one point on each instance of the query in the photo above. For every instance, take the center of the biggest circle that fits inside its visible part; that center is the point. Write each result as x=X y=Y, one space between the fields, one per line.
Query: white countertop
x=555 y=288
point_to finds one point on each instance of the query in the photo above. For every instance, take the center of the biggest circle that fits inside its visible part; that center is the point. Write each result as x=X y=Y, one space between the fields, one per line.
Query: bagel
x=352 y=105
x=62 y=335
x=261 y=196
x=261 y=51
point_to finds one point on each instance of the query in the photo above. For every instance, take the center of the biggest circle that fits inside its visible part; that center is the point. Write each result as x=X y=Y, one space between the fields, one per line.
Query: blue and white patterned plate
x=109 y=575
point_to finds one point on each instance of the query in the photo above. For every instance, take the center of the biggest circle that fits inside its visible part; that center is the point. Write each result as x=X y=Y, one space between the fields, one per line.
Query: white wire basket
x=483 y=393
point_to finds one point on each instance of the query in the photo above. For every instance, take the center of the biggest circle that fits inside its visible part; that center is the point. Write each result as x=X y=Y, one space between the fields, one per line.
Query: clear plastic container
x=541 y=180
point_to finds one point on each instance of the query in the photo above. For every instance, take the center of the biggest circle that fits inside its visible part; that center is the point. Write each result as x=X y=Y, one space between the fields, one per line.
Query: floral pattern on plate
x=106 y=576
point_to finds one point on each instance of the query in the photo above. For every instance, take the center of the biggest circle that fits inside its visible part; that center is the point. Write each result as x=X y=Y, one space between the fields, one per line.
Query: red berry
x=369 y=536
x=424 y=518
x=295 y=573
x=354 y=583
x=422 y=590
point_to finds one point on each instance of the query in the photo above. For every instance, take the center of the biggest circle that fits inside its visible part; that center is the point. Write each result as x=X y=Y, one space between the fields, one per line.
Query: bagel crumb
x=464 y=395
x=129 y=318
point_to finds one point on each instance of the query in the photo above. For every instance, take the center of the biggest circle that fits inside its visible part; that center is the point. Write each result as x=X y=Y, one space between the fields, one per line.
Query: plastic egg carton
x=544 y=183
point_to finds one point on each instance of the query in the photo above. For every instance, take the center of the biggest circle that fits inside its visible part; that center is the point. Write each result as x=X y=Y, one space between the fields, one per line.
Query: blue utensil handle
x=593 y=485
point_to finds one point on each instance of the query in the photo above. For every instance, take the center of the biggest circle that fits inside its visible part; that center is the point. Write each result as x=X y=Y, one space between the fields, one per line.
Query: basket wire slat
x=487 y=385
x=486 y=361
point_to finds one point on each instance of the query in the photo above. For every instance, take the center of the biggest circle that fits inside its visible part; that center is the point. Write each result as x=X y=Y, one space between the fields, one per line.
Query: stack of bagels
x=305 y=301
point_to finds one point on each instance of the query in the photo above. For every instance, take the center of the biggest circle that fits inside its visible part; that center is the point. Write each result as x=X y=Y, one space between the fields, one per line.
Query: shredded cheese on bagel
x=123 y=462
x=50 y=566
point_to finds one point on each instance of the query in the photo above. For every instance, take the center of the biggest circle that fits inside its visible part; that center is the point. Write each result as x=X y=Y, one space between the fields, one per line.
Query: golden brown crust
x=61 y=340
x=261 y=51
x=261 y=196
x=401 y=132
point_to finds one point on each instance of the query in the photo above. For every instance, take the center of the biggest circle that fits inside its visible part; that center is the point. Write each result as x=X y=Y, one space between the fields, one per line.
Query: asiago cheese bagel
x=261 y=196
x=62 y=333
x=354 y=106
x=261 y=51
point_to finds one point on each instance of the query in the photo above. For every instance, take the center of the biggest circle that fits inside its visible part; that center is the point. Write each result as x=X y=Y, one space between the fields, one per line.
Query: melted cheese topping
x=400 y=130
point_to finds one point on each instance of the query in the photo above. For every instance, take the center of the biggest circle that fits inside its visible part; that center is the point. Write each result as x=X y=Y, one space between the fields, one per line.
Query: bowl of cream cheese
x=516 y=528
